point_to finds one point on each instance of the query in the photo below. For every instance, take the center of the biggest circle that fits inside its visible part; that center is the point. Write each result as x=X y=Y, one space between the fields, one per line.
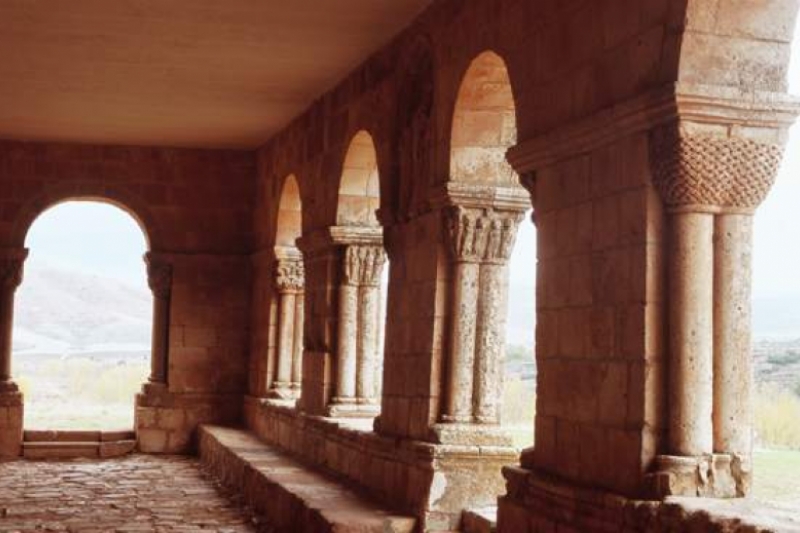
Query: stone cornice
x=334 y=236
x=695 y=103
x=456 y=194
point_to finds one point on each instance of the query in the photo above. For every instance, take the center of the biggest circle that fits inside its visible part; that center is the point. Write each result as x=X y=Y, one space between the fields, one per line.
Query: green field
x=776 y=476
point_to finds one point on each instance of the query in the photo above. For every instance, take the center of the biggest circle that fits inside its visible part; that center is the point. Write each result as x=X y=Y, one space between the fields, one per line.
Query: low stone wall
x=434 y=482
x=535 y=502
x=11 y=409
x=167 y=422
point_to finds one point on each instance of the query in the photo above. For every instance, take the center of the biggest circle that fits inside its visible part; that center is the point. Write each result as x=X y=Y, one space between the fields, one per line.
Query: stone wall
x=195 y=208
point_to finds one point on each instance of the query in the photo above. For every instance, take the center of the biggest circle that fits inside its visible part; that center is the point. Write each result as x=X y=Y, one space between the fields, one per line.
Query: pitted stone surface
x=137 y=493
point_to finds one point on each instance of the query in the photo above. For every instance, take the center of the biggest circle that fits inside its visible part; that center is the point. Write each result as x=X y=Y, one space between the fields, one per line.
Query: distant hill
x=60 y=311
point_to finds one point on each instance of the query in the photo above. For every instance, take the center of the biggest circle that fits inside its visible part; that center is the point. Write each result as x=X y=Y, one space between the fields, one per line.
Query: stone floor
x=133 y=494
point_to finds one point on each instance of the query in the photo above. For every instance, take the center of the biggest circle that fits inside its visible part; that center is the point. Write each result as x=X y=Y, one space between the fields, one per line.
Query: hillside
x=59 y=311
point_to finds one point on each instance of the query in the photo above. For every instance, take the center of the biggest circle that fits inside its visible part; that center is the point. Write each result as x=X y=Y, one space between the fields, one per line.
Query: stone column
x=159 y=278
x=691 y=277
x=11 y=406
x=347 y=341
x=710 y=185
x=466 y=233
x=297 y=343
x=492 y=315
x=359 y=296
x=733 y=373
x=373 y=259
x=289 y=285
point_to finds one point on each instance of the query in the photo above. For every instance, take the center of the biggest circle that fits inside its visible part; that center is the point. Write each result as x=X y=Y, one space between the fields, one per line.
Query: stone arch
x=480 y=231
x=484 y=124
x=359 y=186
x=131 y=204
x=289 y=224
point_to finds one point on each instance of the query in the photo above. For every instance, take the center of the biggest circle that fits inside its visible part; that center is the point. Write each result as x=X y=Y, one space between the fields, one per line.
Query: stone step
x=291 y=497
x=56 y=435
x=483 y=520
x=77 y=449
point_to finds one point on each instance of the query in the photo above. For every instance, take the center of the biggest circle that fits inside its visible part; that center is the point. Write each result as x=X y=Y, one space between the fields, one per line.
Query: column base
x=11 y=420
x=352 y=408
x=284 y=391
x=472 y=434
x=709 y=476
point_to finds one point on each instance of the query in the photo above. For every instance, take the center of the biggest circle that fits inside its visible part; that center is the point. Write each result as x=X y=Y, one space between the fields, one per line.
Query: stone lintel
x=702 y=104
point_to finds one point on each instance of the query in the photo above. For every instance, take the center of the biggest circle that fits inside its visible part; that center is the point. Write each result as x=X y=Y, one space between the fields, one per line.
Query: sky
x=90 y=237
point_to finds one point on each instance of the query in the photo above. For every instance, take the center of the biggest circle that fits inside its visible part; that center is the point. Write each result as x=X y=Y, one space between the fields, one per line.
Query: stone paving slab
x=136 y=493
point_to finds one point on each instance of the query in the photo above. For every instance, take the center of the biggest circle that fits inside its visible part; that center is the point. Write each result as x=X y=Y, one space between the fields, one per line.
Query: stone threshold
x=291 y=497
x=72 y=444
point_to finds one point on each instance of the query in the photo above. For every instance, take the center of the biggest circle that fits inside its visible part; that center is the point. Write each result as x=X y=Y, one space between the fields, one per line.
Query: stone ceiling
x=200 y=73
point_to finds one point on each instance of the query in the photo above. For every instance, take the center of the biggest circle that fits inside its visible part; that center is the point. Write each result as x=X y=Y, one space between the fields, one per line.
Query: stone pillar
x=289 y=284
x=733 y=373
x=11 y=402
x=357 y=345
x=159 y=278
x=480 y=242
x=710 y=185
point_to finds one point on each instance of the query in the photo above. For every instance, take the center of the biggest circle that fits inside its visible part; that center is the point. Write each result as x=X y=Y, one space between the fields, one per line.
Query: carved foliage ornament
x=476 y=236
x=363 y=265
x=290 y=275
x=711 y=171
x=159 y=276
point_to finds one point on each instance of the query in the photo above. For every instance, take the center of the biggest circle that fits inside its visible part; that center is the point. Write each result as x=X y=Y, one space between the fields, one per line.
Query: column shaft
x=285 y=340
x=6 y=327
x=160 y=339
x=297 y=341
x=690 y=334
x=369 y=296
x=491 y=337
x=458 y=407
x=732 y=366
x=347 y=343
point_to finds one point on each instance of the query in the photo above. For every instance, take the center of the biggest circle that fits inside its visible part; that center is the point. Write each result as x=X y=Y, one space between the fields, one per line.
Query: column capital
x=711 y=172
x=159 y=274
x=289 y=274
x=363 y=264
x=481 y=235
x=12 y=262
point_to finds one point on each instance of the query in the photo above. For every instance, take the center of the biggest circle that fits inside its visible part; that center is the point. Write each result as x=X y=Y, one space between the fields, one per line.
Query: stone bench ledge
x=289 y=495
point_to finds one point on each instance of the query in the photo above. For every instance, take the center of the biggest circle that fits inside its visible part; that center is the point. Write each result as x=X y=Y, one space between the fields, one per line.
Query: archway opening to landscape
x=503 y=244
x=776 y=326
x=285 y=368
x=83 y=318
x=359 y=368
